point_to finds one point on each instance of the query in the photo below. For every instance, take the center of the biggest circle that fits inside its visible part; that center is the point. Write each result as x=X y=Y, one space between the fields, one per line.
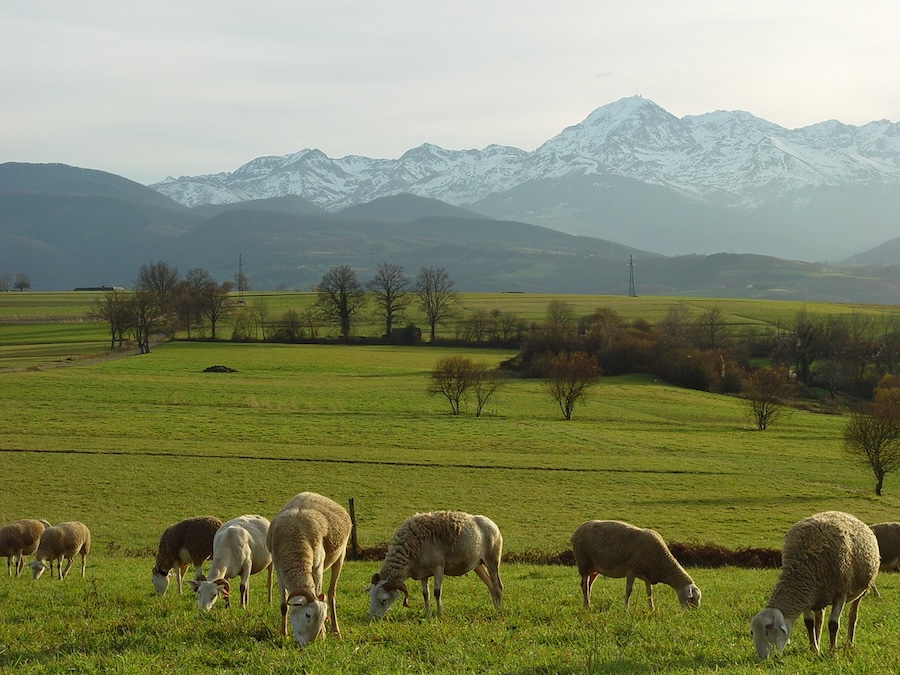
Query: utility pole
x=631 y=291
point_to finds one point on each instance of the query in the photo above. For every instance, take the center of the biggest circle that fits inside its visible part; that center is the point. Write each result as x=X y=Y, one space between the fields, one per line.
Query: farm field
x=132 y=444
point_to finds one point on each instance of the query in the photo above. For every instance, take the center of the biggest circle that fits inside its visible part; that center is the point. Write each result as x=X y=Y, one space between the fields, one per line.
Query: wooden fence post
x=354 y=546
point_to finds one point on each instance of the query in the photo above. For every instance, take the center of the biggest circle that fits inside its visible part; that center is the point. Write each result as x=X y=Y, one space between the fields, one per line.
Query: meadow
x=132 y=444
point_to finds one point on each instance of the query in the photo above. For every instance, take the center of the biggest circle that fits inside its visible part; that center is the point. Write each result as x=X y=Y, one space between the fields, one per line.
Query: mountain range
x=722 y=205
x=632 y=173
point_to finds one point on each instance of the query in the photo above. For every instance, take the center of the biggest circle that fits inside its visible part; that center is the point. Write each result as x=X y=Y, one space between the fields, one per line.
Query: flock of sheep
x=829 y=559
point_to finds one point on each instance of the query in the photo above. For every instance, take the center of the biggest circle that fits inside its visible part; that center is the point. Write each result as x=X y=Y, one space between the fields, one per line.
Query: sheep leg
x=269 y=581
x=83 y=563
x=332 y=588
x=851 y=620
x=284 y=607
x=425 y=597
x=650 y=596
x=19 y=563
x=629 y=583
x=180 y=569
x=62 y=575
x=587 y=580
x=813 y=622
x=834 y=621
x=438 y=580
x=245 y=586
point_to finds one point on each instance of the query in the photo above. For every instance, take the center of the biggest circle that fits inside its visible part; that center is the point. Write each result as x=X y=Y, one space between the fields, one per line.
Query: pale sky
x=187 y=87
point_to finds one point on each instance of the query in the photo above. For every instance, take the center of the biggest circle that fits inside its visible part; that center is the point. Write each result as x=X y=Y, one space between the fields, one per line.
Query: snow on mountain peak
x=716 y=153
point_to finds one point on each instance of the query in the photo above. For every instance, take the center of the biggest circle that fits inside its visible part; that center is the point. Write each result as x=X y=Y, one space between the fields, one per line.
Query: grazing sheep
x=19 y=539
x=830 y=558
x=65 y=540
x=436 y=544
x=187 y=541
x=616 y=549
x=239 y=549
x=308 y=536
x=888 y=536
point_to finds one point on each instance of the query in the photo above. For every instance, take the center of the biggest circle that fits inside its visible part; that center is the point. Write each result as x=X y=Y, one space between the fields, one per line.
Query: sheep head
x=770 y=631
x=689 y=596
x=307 y=614
x=209 y=591
x=383 y=594
x=38 y=567
x=160 y=580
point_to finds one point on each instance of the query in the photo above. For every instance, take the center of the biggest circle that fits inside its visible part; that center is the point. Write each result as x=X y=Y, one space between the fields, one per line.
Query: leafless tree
x=216 y=304
x=389 y=290
x=485 y=384
x=766 y=391
x=712 y=329
x=800 y=344
x=160 y=279
x=673 y=331
x=340 y=297
x=872 y=436
x=113 y=309
x=22 y=282
x=568 y=377
x=435 y=291
x=452 y=379
x=5 y=281
x=146 y=317
x=259 y=314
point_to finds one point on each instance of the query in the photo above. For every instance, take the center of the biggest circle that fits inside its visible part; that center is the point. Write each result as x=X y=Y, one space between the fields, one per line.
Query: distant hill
x=68 y=230
x=887 y=253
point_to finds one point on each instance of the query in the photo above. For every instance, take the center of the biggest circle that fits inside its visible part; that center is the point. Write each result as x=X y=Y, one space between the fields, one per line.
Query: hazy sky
x=185 y=87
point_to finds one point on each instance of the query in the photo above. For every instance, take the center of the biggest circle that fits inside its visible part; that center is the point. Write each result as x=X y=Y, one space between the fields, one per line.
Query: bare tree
x=146 y=316
x=485 y=383
x=113 y=309
x=435 y=290
x=766 y=390
x=22 y=282
x=872 y=436
x=160 y=279
x=452 y=378
x=216 y=304
x=801 y=344
x=391 y=297
x=568 y=377
x=5 y=281
x=712 y=329
x=259 y=313
x=340 y=297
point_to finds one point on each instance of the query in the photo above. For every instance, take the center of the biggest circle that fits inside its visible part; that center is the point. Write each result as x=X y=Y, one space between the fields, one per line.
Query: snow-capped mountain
x=720 y=159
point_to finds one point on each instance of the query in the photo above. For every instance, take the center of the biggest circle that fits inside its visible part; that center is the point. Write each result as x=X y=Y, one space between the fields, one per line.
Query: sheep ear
x=783 y=629
x=375 y=578
x=320 y=597
x=195 y=585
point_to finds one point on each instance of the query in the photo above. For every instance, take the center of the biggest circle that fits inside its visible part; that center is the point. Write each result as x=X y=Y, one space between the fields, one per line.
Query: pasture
x=132 y=444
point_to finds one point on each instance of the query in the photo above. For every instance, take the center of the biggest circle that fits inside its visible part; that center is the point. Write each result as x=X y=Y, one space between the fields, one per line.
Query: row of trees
x=21 y=282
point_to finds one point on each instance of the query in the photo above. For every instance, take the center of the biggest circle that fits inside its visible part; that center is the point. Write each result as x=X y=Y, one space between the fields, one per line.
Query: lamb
x=617 y=549
x=65 y=540
x=19 y=539
x=308 y=536
x=187 y=541
x=888 y=536
x=239 y=549
x=436 y=544
x=830 y=558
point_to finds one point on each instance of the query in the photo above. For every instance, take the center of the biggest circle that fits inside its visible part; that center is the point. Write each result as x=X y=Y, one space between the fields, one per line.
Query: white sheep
x=189 y=541
x=308 y=536
x=617 y=549
x=830 y=558
x=19 y=539
x=65 y=540
x=888 y=536
x=239 y=549
x=435 y=544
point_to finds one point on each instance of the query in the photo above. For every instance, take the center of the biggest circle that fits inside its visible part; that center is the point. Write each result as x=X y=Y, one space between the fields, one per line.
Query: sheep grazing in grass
x=888 y=536
x=189 y=541
x=308 y=536
x=436 y=544
x=18 y=540
x=616 y=549
x=830 y=558
x=65 y=540
x=239 y=549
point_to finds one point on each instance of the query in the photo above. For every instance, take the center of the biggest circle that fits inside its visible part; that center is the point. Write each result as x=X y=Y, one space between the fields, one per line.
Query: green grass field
x=132 y=444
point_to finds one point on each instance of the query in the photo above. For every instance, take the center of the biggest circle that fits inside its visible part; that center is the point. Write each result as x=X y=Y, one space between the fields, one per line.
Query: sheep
x=239 y=549
x=65 y=540
x=888 y=536
x=19 y=539
x=617 y=549
x=187 y=541
x=830 y=558
x=308 y=536
x=437 y=544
